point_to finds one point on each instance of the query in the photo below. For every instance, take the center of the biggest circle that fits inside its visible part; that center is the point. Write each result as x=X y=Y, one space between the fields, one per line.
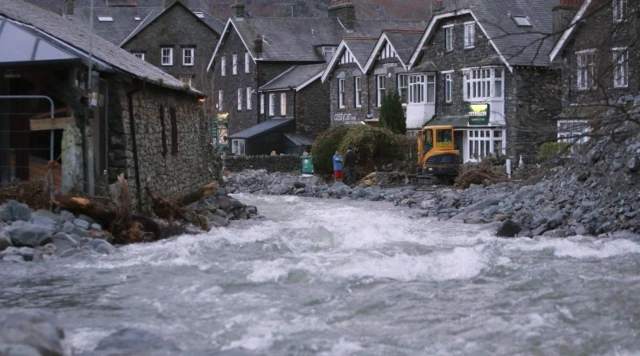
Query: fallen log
x=171 y=210
x=103 y=213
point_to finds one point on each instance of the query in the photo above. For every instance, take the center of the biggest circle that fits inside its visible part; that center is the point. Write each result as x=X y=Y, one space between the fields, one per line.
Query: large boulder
x=5 y=241
x=30 y=235
x=509 y=228
x=64 y=241
x=15 y=211
x=32 y=330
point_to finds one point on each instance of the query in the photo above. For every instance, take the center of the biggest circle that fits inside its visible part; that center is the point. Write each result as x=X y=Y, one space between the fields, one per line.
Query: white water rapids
x=340 y=277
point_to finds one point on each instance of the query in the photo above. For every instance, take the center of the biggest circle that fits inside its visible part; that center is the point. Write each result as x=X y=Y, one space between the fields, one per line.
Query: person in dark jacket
x=350 y=166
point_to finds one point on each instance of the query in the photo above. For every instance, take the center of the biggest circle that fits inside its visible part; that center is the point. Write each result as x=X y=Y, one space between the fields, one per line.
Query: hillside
x=365 y=9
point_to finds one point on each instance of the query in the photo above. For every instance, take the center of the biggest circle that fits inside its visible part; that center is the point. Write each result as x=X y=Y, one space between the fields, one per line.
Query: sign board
x=479 y=114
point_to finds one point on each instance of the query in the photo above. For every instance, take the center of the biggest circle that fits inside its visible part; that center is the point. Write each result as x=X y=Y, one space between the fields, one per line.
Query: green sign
x=479 y=114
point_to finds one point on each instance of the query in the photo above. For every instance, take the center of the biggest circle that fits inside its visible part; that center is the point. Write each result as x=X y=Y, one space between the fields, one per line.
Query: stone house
x=253 y=51
x=149 y=30
x=126 y=117
x=348 y=84
x=489 y=76
x=599 y=57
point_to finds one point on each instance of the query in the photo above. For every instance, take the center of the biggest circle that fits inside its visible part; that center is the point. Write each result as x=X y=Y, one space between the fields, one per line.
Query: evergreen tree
x=392 y=114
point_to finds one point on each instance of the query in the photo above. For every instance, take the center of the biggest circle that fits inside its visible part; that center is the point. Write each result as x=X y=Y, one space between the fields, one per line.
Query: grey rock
x=252 y=209
x=218 y=221
x=101 y=246
x=360 y=192
x=27 y=253
x=83 y=224
x=15 y=211
x=556 y=220
x=482 y=205
x=44 y=221
x=12 y=258
x=32 y=329
x=581 y=230
x=539 y=230
x=427 y=204
x=375 y=197
x=221 y=192
x=18 y=350
x=88 y=219
x=299 y=191
x=236 y=204
x=58 y=218
x=633 y=165
x=132 y=340
x=299 y=185
x=64 y=241
x=509 y=228
x=525 y=233
x=69 y=228
x=490 y=211
x=538 y=221
x=5 y=241
x=225 y=203
x=577 y=214
x=29 y=235
x=95 y=226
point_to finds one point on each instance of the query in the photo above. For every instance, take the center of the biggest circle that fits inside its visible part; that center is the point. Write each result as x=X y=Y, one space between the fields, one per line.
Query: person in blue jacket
x=337 y=166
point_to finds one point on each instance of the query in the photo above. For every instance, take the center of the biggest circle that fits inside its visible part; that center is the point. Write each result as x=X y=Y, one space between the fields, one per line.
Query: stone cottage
x=126 y=117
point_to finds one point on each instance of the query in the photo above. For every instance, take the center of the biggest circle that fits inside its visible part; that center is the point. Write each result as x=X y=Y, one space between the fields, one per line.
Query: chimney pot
x=238 y=10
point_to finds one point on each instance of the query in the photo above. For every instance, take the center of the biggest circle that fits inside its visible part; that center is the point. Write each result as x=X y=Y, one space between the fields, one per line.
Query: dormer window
x=619 y=10
x=138 y=55
x=327 y=53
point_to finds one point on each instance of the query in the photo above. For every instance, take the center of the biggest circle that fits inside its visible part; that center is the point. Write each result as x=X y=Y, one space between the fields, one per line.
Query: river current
x=341 y=277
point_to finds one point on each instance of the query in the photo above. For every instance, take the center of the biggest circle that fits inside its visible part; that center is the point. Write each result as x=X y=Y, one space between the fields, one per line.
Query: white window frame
x=238 y=147
x=188 y=56
x=272 y=104
x=140 y=55
x=357 y=91
x=620 y=67
x=469 y=34
x=328 y=51
x=380 y=89
x=483 y=142
x=283 y=104
x=220 y=100
x=416 y=89
x=234 y=64
x=223 y=66
x=248 y=98
x=402 y=82
x=341 y=86
x=448 y=37
x=430 y=92
x=261 y=103
x=586 y=69
x=448 y=86
x=246 y=62
x=619 y=10
x=239 y=99
x=482 y=84
x=166 y=56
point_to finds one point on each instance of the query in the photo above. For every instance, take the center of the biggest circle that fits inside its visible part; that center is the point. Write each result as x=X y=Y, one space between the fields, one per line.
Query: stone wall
x=191 y=33
x=312 y=109
x=281 y=163
x=350 y=114
x=171 y=133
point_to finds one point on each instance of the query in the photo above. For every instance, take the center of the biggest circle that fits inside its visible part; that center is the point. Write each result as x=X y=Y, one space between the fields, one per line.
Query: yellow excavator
x=438 y=158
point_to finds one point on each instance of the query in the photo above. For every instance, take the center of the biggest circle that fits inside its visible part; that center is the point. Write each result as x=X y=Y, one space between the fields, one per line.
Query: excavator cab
x=437 y=155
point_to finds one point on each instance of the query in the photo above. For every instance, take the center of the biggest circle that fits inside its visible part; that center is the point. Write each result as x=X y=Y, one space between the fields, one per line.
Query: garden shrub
x=325 y=146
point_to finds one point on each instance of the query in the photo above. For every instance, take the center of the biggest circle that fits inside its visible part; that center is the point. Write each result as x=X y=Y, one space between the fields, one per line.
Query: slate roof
x=123 y=24
x=404 y=42
x=78 y=37
x=519 y=46
x=299 y=140
x=295 y=39
x=261 y=128
x=208 y=19
x=361 y=49
x=294 y=77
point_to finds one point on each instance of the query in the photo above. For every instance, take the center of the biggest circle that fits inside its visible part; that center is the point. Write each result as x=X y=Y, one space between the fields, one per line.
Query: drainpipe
x=132 y=128
x=368 y=98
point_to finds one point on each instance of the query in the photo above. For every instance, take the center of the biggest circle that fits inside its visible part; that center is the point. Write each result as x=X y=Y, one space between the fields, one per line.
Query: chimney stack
x=344 y=11
x=238 y=11
x=257 y=46
x=69 y=8
x=562 y=16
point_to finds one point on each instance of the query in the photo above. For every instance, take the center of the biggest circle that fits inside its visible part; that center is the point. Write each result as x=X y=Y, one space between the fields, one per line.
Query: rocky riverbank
x=565 y=201
x=27 y=235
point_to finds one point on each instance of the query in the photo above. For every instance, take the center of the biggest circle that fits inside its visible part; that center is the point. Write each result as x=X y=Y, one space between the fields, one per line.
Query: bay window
x=483 y=83
x=416 y=89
